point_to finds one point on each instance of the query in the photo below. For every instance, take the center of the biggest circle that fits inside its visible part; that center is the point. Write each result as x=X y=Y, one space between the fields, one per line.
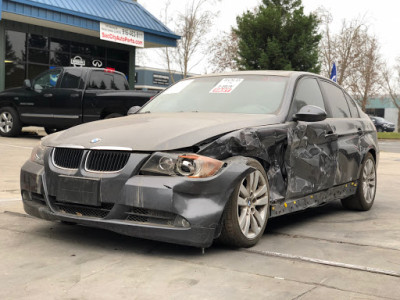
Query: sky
x=382 y=17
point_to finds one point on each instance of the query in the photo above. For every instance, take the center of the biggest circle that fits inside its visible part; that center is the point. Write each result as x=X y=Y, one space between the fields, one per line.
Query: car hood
x=12 y=91
x=155 y=131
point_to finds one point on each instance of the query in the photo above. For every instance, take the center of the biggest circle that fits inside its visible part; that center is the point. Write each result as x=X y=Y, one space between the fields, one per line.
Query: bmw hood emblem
x=96 y=140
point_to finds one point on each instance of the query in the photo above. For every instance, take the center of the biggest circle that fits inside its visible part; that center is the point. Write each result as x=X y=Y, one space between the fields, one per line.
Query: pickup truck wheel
x=10 y=125
x=113 y=115
x=247 y=212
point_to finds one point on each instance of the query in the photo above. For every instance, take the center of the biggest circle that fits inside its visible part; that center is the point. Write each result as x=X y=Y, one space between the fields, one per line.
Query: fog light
x=185 y=223
x=181 y=222
x=26 y=196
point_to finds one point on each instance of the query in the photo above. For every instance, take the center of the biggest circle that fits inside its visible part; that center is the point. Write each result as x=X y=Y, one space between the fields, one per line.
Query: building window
x=14 y=73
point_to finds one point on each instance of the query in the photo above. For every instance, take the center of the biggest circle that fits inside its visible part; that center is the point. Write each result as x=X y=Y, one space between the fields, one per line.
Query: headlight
x=189 y=165
x=37 y=154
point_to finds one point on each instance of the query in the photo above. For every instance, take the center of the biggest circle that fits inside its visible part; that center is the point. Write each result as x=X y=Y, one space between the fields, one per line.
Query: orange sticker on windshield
x=226 y=86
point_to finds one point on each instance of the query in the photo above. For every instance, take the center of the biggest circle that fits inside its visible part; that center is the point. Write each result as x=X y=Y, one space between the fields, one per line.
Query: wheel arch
x=112 y=110
x=373 y=153
x=8 y=103
x=250 y=168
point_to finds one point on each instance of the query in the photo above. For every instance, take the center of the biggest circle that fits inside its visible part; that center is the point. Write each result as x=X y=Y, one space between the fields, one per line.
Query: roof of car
x=261 y=72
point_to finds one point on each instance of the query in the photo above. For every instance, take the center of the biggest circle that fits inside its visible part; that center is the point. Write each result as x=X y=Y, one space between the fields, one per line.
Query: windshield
x=246 y=94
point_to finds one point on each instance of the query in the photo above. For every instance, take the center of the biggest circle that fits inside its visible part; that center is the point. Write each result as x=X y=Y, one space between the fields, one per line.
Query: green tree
x=278 y=36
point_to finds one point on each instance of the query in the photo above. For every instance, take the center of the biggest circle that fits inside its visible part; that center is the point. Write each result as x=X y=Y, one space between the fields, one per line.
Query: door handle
x=74 y=95
x=48 y=95
x=359 y=131
x=331 y=135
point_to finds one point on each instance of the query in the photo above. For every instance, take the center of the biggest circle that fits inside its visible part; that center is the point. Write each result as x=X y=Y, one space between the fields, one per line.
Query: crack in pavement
x=306 y=292
x=332 y=241
x=323 y=262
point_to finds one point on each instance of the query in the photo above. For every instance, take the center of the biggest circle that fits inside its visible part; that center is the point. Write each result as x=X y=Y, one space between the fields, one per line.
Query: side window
x=120 y=82
x=337 y=101
x=47 y=80
x=100 y=81
x=307 y=93
x=353 y=107
x=71 y=78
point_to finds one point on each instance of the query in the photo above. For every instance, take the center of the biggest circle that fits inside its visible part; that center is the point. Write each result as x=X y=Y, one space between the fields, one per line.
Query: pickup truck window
x=71 y=78
x=120 y=82
x=47 y=80
x=101 y=80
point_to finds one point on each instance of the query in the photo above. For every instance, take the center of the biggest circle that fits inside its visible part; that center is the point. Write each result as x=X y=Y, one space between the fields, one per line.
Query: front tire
x=364 y=198
x=10 y=125
x=50 y=130
x=247 y=212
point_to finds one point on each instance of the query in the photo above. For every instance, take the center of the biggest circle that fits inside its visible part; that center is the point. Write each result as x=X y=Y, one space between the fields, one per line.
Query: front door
x=312 y=156
x=35 y=108
x=312 y=152
x=66 y=105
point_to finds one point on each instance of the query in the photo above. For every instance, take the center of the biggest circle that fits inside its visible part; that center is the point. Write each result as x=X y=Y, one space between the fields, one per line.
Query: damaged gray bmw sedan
x=212 y=157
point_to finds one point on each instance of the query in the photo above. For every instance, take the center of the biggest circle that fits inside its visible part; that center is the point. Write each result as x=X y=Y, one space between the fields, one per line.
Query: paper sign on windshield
x=226 y=86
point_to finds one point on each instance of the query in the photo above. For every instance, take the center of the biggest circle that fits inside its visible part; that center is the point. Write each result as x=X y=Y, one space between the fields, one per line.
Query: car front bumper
x=170 y=209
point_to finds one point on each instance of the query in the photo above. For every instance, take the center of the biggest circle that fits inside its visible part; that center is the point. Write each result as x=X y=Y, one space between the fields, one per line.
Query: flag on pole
x=333 y=73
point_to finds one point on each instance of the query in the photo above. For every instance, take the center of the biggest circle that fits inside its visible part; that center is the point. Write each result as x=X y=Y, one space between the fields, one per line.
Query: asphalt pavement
x=323 y=253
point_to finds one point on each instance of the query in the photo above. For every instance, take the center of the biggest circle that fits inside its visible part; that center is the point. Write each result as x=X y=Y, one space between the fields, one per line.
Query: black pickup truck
x=63 y=97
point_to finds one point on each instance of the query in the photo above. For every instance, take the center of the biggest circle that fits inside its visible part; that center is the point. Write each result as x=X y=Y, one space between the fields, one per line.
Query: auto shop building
x=36 y=35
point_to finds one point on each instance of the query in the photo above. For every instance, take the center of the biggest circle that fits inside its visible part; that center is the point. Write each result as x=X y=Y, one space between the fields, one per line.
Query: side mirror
x=133 y=110
x=38 y=88
x=27 y=84
x=310 y=113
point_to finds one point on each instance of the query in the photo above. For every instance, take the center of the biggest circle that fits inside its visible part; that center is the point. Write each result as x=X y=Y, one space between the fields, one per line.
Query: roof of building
x=124 y=13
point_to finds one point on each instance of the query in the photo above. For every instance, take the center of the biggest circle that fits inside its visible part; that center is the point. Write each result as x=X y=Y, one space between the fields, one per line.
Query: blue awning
x=88 y=14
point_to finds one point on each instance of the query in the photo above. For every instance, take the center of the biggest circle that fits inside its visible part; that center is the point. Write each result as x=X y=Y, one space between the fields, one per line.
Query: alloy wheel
x=253 y=202
x=369 y=181
x=6 y=122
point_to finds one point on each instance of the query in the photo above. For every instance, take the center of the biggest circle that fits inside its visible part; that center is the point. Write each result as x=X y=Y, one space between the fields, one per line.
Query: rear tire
x=247 y=212
x=10 y=125
x=364 y=198
x=50 y=130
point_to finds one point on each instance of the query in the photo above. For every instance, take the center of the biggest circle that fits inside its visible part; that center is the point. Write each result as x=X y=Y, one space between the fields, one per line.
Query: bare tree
x=357 y=57
x=193 y=25
x=223 y=52
x=345 y=48
x=365 y=79
x=391 y=79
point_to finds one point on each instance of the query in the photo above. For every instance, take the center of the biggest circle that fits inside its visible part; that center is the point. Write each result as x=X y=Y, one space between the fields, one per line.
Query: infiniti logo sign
x=97 y=63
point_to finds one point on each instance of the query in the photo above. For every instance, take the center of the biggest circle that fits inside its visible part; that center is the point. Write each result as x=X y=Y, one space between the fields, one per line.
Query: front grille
x=38 y=198
x=142 y=215
x=68 y=158
x=86 y=211
x=106 y=161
